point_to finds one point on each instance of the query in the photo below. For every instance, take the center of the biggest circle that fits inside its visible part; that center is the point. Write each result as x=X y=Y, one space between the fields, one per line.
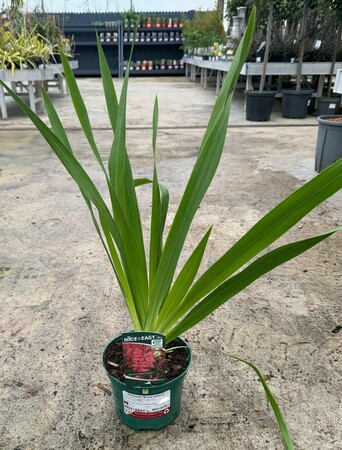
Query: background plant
x=23 y=50
x=30 y=39
x=203 y=30
x=322 y=18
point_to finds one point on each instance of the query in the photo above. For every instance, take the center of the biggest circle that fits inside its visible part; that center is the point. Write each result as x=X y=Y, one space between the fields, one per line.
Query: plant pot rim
x=333 y=98
x=294 y=92
x=261 y=94
x=325 y=120
x=150 y=388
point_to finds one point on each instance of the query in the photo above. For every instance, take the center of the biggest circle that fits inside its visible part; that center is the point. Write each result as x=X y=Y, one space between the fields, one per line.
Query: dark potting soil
x=177 y=360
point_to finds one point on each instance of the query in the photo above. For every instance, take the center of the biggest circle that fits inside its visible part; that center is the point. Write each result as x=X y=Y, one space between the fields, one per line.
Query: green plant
x=158 y=300
x=203 y=30
x=16 y=51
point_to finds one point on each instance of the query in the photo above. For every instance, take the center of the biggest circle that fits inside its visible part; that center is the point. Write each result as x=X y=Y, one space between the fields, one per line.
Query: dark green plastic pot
x=160 y=405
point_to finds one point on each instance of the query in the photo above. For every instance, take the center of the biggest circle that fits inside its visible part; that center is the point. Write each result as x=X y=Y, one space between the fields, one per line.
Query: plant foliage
x=157 y=299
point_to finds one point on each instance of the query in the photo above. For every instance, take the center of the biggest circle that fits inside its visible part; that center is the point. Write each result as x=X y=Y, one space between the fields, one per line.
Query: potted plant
x=259 y=104
x=203 y=30
x=333 y=11
x=159 y=302
x=295 y=102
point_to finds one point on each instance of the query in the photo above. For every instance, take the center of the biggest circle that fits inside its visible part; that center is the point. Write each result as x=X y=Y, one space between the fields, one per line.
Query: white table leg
x=3 y=103
x=248 y=82
x=205 y=79
x=39 y=97
x=30 y=88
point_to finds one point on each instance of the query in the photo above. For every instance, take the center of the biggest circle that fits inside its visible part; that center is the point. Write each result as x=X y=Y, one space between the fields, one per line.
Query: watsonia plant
x=156 y=299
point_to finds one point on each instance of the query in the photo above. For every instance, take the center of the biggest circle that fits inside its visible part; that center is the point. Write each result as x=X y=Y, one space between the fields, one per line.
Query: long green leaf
x=121 y=276
x=55 y=122
x=111 y=251
x=183 y=282
x=156 y=232
x=121 y=179
x=108 y=85
x=80 y=109
x=200 y=179
x=237 y=283
x=142 y=181
x=280 y=419
x=273 y=225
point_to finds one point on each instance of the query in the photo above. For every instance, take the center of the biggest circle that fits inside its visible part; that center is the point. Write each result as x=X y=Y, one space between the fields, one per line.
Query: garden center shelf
x=116 y=40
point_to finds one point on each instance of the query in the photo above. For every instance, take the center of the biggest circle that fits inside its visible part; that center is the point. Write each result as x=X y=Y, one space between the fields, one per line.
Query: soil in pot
x=337 y=119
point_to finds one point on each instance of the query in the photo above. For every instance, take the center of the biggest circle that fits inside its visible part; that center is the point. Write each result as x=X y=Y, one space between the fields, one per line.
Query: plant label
x=147 y=406
x=144 y=358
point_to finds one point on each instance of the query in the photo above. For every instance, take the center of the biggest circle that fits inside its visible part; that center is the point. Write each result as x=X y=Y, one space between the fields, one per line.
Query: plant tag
x=144 y=358
x=309 y=101
x=147 y=406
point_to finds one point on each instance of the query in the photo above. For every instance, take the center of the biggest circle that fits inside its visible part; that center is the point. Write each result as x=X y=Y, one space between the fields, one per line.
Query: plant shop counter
x=206 y=67
x=26 y=82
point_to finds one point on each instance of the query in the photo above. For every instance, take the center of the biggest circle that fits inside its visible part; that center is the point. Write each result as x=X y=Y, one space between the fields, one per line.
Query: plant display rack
x=250 y=70
x=157 y=50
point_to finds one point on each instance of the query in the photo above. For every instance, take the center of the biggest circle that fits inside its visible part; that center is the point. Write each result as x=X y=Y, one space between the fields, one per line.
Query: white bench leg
x=3 y=103
x=30 y=88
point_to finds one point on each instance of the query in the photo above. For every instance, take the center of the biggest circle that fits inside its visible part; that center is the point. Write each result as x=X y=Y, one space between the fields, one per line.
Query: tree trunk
x=333 y=56
x=302 y=45
x=268 y=45
x=220 y=8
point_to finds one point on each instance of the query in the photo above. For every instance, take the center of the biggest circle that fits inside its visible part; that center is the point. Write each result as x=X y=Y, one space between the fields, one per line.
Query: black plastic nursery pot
x=152 y=407
x=295 y=103
x=328 y=105
x=259 y=105
x=329 y=141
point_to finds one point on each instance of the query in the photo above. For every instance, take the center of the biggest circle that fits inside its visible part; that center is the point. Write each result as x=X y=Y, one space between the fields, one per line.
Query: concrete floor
x=60 y=303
